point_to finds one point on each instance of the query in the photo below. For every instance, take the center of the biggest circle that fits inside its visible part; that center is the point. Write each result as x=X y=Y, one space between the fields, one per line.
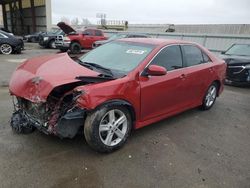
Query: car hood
x=236 y=60
x=37 y=77
x=65 y=27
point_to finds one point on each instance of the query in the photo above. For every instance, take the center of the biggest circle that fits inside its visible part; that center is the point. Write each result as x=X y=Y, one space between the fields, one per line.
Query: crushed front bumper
x=67 y=126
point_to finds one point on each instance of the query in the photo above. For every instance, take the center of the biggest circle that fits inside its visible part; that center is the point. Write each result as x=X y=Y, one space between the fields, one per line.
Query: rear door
x=198 y=73
x=163 y=94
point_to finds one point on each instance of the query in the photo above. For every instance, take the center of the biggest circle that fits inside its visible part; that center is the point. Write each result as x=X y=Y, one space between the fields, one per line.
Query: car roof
x=155 y=41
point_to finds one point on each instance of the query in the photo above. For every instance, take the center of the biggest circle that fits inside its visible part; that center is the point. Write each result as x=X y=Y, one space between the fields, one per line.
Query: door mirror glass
x=156 y=70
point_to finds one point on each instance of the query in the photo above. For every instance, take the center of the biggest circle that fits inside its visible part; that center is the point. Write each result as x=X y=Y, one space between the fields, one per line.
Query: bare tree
x=85 y=22
x=65 y=20
x=75 y=22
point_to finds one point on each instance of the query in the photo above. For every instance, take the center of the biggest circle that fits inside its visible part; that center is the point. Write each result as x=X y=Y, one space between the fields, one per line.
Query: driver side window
x=170 y=58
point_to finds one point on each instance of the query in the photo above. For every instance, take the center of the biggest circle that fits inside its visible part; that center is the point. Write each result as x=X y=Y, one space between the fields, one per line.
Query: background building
x=26 y=16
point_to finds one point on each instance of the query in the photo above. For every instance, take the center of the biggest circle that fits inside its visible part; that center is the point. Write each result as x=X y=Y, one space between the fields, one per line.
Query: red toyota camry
x=120 y=86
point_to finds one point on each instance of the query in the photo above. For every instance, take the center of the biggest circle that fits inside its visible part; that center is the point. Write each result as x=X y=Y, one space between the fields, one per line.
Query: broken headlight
x=77 y=94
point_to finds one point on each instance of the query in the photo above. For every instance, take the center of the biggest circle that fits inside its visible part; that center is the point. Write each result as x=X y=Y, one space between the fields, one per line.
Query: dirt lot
x=192 y=149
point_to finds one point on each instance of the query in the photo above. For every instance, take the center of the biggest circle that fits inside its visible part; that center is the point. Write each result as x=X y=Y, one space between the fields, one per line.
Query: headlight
x=66 y=39
x=45 y=38
x=247 y=66
x=77 y=94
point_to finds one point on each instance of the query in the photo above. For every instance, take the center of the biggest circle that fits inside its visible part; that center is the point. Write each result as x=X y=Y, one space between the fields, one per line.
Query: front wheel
x=6 y=49
x=52 y=44
x=75 y=48
x=210 y=97
x=108 y=128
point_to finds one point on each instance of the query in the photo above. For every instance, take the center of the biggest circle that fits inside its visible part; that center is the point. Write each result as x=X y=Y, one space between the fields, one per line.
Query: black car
x=34 y=37
x=119 y=36
x=9 y=43
x=237 y=58
x=47 y=39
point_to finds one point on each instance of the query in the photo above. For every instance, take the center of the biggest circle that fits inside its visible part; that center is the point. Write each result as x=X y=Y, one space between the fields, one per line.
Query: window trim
x=202 y=52
x=160 y=52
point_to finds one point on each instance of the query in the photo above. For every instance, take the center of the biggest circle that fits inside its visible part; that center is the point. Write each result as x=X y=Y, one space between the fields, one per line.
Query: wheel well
x=74 y=41
x=123 y=103
x=217 y=82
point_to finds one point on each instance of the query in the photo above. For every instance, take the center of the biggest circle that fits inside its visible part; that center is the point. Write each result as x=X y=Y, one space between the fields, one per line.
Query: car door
x=198 y=73
x=163 y=94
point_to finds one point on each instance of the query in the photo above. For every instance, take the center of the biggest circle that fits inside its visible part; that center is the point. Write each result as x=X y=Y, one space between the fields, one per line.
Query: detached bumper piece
x=69 y=124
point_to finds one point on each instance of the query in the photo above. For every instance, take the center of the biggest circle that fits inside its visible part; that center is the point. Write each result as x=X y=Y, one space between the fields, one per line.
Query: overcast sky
x=156 y=11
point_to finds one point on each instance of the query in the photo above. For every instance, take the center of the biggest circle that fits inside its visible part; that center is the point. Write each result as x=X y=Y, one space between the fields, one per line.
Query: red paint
x=153 y=98
x=86 y=41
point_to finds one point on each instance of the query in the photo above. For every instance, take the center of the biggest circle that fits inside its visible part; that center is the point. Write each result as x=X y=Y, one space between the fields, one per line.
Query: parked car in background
x=47 y=39
x=34 y=37
x=237 y=58
x=10 y=43
x=6 y=30
x=76 y=41
x=122 y=85
x=119 y=36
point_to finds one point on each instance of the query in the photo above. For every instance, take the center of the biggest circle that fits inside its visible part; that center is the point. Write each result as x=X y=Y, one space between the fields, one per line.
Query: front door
x=164 y=94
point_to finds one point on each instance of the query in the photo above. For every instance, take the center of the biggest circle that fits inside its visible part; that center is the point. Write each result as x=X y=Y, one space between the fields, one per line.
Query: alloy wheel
x=211 y=95
x=113 y=127
x=6 y=49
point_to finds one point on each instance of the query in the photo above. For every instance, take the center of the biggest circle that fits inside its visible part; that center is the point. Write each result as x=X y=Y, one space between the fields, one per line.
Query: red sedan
x=120 y=86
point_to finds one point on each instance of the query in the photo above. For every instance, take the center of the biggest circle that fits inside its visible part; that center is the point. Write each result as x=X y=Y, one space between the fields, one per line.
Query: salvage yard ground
x=192 y=149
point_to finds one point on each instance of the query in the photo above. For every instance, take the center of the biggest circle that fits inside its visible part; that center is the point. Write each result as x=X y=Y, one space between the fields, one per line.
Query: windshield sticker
x=138 y=52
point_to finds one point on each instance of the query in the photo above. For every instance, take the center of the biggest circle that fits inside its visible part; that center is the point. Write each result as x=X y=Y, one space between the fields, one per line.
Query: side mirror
x=155 y=70
x=223 y=52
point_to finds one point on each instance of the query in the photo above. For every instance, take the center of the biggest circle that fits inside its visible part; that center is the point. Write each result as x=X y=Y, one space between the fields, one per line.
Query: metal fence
x=215 y=43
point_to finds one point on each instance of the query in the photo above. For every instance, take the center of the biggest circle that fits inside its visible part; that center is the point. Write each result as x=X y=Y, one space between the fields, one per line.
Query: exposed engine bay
x=59 y=115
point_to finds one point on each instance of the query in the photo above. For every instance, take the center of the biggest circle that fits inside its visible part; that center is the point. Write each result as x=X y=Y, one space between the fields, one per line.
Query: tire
x=6 y=49
x=33 y=39
x=63 y=50
x=210 y=96
x=20 y=124
x=75 y=48
x=52 y=44
x=18 y=51
x=103 y=135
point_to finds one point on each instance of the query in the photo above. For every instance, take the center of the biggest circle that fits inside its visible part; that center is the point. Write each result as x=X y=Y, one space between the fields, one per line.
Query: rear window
x=98 y=33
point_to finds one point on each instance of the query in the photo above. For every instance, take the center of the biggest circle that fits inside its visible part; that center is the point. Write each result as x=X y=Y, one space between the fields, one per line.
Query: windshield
x=239 y=49
x=119 y=56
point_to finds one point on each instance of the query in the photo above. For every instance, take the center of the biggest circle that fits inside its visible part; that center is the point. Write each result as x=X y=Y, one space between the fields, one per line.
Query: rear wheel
x=75 y=48
x=210 y=97
x=6 y=49
x=108 y=128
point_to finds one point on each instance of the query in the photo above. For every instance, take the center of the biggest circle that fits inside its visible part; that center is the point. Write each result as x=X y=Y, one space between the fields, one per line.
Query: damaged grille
x=46 y=115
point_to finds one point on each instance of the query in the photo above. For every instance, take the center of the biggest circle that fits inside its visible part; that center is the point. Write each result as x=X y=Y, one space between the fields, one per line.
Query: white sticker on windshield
x=138 y=52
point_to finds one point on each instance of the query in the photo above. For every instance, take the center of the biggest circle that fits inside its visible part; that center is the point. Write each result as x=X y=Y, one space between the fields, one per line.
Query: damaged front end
x=59 y=115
